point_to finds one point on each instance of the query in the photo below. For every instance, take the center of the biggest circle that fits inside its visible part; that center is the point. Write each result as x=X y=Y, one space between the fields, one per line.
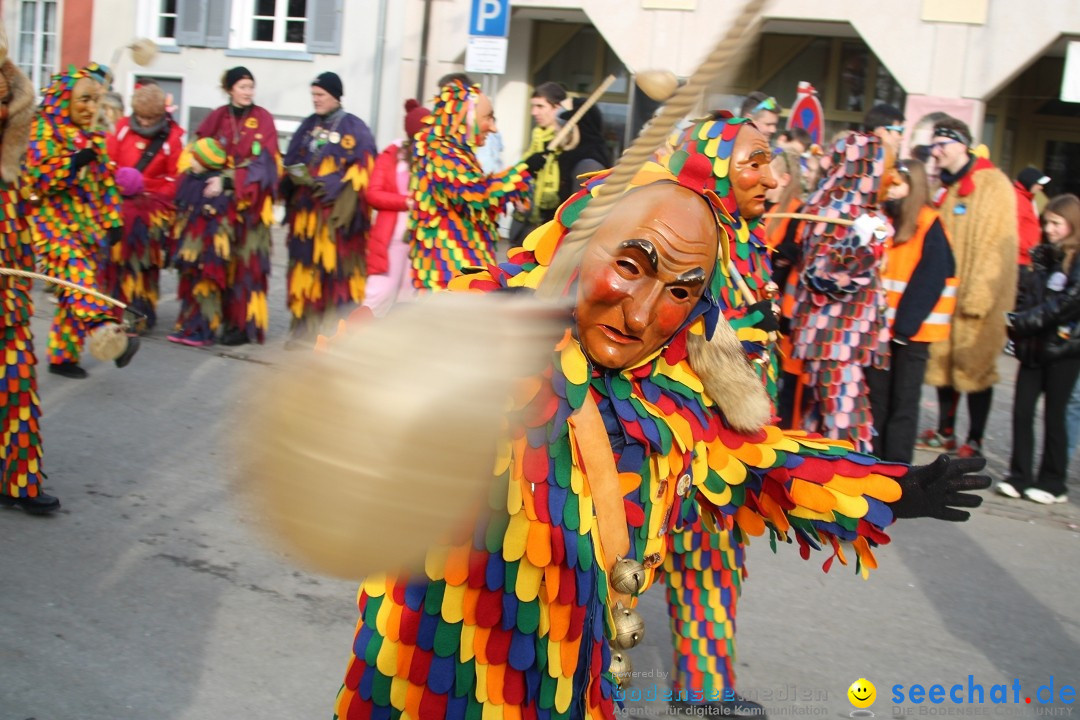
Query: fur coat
x=979 y=213
x=20 y=113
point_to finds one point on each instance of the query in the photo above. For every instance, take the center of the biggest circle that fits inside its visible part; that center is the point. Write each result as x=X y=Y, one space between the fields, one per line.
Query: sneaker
x=933 y=440
x=1007 y=489
x=1042 y=497
x=40 y=504
x=68 y=370
x=970 y=449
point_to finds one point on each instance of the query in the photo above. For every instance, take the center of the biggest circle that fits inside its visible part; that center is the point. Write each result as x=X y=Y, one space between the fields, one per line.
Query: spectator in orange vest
x=920 y=285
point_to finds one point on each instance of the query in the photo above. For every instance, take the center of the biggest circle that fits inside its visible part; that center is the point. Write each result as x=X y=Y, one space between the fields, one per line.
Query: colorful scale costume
x=20 y=409
x=706 y=562
x=132 y=272
x=74 y=210
x=249 y=138
x=514 y=622
x=328 y=215
x=203 y=256
x=839 y=324
x=454 y=223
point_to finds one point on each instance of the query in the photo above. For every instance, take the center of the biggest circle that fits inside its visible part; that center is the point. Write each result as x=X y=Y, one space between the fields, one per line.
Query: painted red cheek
x=669 y=317
x=605 y=286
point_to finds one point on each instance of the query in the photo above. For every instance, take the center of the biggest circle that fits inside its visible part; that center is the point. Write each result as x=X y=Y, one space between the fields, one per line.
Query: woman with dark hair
x=1048 y=348
x=253 y=169
x=920 y=290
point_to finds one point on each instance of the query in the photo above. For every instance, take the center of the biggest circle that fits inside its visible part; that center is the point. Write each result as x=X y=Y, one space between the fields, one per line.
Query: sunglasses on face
x=941 y=144
x=895 y=128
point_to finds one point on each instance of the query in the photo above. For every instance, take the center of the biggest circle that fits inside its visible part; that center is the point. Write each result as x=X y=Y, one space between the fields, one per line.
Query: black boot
x=68 y=370
x=234 y=336
x=129 y=352
x=43 y=504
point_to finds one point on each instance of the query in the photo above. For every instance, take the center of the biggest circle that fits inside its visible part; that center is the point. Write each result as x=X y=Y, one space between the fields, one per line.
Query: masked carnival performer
x=74 y=210
x=516 y=622
x=20 y=442
x=249 y=138
x=147 y=143
x=453 y=224
x=705 y=565
x=329 y=164
x=839 y=326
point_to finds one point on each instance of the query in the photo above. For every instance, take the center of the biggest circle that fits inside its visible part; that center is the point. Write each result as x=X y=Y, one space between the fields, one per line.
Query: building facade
x=995 y=63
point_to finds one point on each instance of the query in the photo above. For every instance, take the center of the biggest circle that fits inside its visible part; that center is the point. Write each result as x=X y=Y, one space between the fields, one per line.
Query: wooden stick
x=71 y=286
x=811 y=217
x=740 y=282
x=727 y=52
x=580 y=112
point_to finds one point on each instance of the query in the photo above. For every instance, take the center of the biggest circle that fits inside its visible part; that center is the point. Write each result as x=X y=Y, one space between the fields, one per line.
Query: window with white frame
x=164 y=21
x=275 y=23
x=39 y=44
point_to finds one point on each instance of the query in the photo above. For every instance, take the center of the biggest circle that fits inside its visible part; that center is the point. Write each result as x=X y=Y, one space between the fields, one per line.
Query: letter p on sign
x=490 y=18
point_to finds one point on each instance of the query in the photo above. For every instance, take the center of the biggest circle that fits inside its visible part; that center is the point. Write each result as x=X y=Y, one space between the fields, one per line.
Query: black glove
x=114 y=235
x=536 y=161
x=83 y=158
x=934 y=490
x=768 y=321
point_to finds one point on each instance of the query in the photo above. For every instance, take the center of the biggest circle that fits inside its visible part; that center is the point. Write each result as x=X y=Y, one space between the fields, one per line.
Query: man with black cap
x=328 y=169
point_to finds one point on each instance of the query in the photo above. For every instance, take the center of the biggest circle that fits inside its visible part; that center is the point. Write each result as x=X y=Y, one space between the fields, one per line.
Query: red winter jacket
x=1027 y=222
x=386 y=195
x=126 y=148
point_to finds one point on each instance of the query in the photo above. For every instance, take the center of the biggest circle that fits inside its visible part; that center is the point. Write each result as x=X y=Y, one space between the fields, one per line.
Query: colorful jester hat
x=56 y=98
x=453 y=114
x=700 y=155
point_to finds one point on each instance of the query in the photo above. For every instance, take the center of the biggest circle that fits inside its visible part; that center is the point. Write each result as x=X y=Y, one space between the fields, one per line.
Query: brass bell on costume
x=620 y=667
x=628 y=576
x=629 y=627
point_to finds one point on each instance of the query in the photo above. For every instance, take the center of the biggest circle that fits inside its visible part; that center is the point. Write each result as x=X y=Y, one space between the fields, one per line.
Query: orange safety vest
x=900 y=263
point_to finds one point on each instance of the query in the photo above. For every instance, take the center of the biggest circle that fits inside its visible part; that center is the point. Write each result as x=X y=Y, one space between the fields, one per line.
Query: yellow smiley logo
x=251 y=123
x=862 y=693
x=348 y=142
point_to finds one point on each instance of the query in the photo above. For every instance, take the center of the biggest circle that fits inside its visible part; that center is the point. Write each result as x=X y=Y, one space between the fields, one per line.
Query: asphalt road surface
x=152 y=595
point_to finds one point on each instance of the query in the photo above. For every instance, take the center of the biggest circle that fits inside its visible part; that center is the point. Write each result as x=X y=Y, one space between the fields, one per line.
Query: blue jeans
x=1072 y=418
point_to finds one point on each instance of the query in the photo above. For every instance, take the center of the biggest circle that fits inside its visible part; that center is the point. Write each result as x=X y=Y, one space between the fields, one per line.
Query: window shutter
x=218 y=23
x=191 y=22
x=324 y=26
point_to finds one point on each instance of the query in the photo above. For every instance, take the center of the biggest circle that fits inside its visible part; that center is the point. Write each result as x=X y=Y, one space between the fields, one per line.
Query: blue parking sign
x=490 y=18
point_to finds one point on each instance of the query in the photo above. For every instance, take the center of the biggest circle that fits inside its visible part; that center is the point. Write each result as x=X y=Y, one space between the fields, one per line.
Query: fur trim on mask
x=17 y=129
x=729 y=378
